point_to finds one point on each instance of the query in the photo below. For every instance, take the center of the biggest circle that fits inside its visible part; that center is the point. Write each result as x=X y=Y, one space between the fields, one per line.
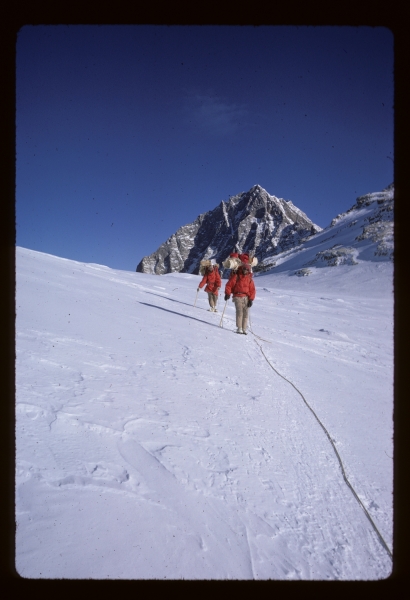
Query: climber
x=242 y=288
x=212 y=279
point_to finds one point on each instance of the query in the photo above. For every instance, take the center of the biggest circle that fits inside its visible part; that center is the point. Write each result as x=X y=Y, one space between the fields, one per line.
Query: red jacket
x=213 y=281
x=240 y=284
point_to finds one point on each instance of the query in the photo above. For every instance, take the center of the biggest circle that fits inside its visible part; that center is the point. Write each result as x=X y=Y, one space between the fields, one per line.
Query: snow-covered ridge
x=385 y=198
x=362 y=233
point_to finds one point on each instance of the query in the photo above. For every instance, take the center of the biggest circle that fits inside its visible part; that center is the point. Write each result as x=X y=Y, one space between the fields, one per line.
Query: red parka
x=213 y=281
x=240 y=283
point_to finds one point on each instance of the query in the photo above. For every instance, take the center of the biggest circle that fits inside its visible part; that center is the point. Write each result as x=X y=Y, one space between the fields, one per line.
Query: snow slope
x=152 y=443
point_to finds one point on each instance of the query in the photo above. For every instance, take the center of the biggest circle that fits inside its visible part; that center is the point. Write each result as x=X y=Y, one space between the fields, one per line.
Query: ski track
x=200 y=464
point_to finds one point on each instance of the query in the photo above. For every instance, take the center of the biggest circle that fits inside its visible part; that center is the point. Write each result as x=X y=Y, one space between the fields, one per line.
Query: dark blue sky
x=125 y=133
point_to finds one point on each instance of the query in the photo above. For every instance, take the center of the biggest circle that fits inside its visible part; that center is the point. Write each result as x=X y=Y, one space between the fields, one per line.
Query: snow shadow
x=179 y=314
x=173 y=300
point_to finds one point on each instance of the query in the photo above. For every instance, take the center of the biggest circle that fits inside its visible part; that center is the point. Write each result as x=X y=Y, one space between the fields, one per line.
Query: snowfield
x=151 y=443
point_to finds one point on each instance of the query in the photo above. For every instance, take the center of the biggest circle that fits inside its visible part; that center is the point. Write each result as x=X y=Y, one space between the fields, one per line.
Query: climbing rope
x=384 y=544
x=382 y=541
x=253 y=333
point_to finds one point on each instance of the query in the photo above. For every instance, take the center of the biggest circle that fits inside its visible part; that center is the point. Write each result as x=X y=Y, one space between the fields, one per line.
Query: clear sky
x=125 y=133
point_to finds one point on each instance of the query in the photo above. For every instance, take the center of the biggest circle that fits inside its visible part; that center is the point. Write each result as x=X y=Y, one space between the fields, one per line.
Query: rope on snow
x=384 y=544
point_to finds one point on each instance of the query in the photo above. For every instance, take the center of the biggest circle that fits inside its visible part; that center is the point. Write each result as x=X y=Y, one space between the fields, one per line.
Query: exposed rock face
x=253 y=222
x=335 y=256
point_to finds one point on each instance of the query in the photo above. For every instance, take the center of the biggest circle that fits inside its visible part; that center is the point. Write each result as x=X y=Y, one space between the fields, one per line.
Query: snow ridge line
x=384 y=544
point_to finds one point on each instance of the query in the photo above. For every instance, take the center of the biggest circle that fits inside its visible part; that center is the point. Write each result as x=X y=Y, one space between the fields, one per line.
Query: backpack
x=235 y=262
x=206 y=264
x=232 y=263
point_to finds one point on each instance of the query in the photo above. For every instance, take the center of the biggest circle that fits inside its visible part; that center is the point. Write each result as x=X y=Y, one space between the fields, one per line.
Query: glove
x=250 y=303
x=227 y=296
x=197 y=289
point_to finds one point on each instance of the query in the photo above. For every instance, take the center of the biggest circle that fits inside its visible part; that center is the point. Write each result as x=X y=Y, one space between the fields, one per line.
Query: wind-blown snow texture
x=152 y=443
x=253 y=222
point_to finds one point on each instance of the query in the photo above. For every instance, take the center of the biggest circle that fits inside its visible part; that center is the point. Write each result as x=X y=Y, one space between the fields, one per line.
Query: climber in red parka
x=242 y=287
x=213 y=280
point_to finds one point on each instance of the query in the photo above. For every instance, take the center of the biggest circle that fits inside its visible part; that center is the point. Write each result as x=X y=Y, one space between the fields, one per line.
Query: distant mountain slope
x=253 y=222
x=364 y=232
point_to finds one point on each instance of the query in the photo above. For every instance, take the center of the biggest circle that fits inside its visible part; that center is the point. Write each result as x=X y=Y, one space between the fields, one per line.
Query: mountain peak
x=254 y=222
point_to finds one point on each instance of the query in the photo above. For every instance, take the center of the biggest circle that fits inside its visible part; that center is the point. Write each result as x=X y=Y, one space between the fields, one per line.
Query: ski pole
x=196 y=296
x=220 y=324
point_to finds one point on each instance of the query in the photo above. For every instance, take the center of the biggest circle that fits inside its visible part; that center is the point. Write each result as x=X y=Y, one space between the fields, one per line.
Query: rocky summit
x=254 y=222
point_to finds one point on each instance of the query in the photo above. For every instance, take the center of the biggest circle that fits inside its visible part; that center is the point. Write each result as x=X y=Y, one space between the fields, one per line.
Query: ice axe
x=220 y=324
